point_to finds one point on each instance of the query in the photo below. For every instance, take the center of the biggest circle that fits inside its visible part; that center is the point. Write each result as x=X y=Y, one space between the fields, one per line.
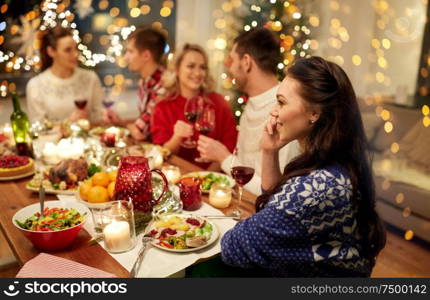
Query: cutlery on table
x=42 y=200
x=146 y=244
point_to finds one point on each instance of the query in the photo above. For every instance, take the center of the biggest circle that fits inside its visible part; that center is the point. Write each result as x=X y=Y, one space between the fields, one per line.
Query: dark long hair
x=49 y=37
x=337 y=137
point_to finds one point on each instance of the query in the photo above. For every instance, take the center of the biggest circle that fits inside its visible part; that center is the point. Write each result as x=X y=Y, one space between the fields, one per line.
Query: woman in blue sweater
x=317 y=218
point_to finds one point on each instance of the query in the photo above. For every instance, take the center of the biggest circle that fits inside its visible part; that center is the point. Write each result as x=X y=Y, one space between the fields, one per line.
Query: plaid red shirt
x=150 y=92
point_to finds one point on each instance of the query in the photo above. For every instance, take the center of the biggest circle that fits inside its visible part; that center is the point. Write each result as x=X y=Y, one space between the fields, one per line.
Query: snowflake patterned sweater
x=307 y=229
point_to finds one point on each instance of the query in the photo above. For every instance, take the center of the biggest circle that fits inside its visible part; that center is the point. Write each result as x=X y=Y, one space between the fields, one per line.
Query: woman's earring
x=311 y=121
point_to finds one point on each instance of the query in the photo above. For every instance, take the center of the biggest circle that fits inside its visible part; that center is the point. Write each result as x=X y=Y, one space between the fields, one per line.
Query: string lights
x=285 y=17
x=51 y=13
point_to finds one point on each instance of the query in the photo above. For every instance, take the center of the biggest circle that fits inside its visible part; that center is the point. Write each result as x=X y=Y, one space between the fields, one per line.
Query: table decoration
x=119 y=233
x=220 y=195
x=173 y=173
x=190 y=193
x=134 y=184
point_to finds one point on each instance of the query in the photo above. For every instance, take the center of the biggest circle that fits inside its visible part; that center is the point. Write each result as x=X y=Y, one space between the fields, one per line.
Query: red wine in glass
x=242 y=175
x=191 y=116
x=81 y=103
x=192 y=110
x=205 y=124
x=108 y=103
x=204 y=129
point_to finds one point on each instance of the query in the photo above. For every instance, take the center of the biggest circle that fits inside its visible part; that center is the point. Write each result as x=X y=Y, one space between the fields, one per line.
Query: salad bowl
x=47 y=237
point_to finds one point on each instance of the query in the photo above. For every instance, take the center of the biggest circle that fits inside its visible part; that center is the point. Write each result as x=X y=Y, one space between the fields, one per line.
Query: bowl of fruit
x=97 y=190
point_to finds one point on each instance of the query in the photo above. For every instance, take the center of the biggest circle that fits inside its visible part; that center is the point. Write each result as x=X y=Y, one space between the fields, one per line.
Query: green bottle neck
x=16 y=105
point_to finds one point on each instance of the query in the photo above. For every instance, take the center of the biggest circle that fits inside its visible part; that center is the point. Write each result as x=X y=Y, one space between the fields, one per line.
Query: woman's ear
x=314 y=117
x=51 y=51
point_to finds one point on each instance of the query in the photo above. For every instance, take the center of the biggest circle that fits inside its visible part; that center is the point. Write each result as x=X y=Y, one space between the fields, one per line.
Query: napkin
x=50 y=266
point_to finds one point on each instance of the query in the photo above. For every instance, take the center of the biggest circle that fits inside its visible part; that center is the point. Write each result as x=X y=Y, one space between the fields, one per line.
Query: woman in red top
x=189 y=79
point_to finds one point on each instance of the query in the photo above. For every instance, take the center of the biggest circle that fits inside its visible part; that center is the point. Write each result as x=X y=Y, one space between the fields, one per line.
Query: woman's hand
x=182 y=129
x=78 y=114
x=135 y=132
x=111 y=118
x=270 y=140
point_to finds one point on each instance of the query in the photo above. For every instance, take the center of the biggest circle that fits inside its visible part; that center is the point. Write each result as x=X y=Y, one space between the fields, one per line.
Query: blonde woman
x=188 y=78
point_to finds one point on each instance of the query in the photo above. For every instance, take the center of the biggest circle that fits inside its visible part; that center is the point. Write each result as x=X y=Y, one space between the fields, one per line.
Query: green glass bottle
x=21 y=128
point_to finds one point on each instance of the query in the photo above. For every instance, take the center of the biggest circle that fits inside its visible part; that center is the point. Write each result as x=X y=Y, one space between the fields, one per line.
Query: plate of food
x=209 y=178
x=99 y=130
x=15 y=167
x=62 y=178
x=148 y=150
x=183 y=233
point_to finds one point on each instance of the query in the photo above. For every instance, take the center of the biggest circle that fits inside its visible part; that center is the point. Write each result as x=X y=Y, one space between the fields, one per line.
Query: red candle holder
x=190 y=193
x=109 y=139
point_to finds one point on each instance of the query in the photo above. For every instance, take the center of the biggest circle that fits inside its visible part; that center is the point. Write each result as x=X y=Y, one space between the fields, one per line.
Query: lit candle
x=110 y=136
x=220 y=195
x=173 y=173
x=158 y=161
x=50 y=153
x=117 y=236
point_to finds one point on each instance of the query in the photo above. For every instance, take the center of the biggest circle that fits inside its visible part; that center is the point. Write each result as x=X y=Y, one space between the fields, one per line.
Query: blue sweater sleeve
x=268 y=237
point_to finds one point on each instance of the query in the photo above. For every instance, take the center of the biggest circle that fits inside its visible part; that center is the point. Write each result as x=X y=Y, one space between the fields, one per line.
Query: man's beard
x=240 y=83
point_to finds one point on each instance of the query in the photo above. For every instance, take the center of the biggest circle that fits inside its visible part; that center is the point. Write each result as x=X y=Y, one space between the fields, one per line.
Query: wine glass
x=192 y=110
x=242 y=175
x=81 y=103
x=205 y=124
x=108 y=100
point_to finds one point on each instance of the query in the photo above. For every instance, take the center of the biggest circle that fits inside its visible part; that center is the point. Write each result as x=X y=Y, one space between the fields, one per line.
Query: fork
x=146 y=244
x=234 y=217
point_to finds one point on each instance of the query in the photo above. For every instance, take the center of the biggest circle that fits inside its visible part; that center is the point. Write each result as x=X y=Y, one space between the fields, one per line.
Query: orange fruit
x=84 y=189
x=111 y=189
x=98 y=194
x=112 y=175
x=101 y=179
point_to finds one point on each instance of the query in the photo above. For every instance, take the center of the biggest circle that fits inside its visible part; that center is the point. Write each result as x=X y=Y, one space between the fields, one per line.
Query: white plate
x=17 y=176
x=52 y=191
x=97 y=131
x=214 y=236
x=202 y=174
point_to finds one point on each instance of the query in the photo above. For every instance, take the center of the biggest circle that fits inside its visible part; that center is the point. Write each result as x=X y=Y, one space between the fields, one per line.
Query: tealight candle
x=158 y=160
x=117 y=236
x=173 y=173
x=220 y=195
x=110 y=136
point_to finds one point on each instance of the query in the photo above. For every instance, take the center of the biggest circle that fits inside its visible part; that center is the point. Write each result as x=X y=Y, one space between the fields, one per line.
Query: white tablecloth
x=160 y=263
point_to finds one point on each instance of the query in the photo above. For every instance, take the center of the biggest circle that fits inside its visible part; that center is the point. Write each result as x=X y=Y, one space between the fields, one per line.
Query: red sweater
x=170 y=110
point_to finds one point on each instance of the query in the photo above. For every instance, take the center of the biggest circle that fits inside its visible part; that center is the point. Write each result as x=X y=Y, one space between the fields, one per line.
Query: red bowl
x=50 y=240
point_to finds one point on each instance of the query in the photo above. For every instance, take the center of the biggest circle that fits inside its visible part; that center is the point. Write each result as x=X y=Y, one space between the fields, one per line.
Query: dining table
x=14 y=196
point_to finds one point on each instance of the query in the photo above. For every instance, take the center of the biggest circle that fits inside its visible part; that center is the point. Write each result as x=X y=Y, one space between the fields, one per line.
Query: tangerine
x=101 y=179
x=111 y=189
x=84 y=189
x=112 y=175
x=98 y=194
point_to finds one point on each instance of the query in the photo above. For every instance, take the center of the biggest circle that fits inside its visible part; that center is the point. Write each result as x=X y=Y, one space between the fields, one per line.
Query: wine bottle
x=21 y=128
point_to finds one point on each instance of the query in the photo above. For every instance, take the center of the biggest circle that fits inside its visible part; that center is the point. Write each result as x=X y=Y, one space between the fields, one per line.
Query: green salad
x=211 y=178
x=53 y=219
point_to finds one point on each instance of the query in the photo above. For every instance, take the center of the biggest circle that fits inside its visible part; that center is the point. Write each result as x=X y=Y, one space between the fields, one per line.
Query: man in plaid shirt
x=144 y=53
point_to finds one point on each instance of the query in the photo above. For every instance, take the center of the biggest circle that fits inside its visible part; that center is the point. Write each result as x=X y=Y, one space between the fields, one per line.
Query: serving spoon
x=42 y=200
